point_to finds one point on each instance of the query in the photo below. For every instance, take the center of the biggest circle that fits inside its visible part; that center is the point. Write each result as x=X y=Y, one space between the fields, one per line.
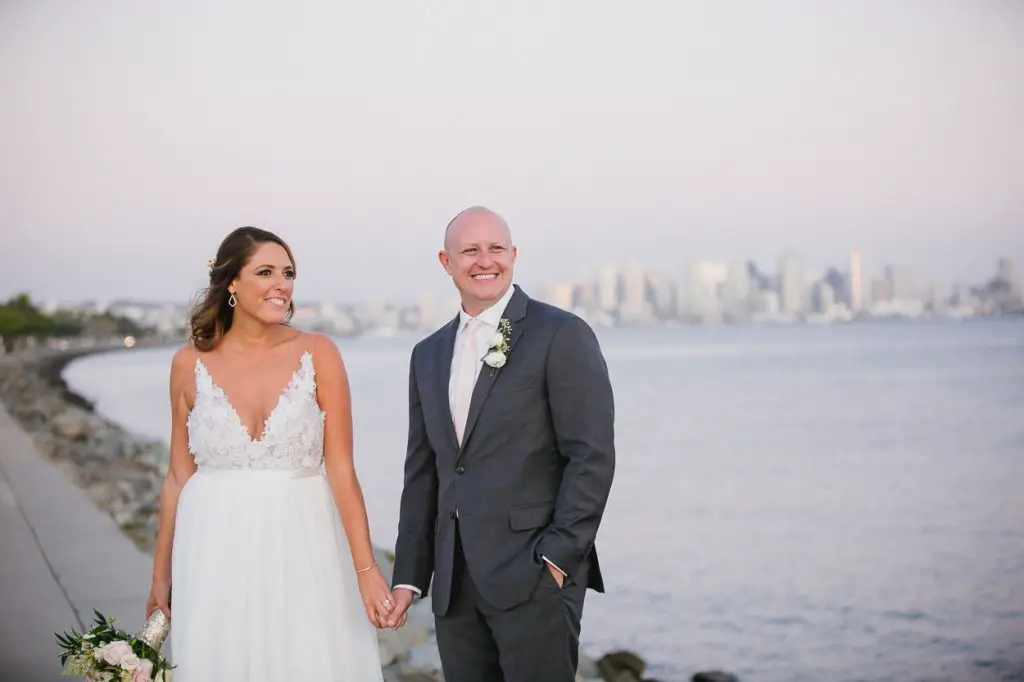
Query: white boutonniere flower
x=497 y=348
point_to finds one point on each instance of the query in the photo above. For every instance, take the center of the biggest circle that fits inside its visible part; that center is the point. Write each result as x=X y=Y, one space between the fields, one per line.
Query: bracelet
x=364 y=570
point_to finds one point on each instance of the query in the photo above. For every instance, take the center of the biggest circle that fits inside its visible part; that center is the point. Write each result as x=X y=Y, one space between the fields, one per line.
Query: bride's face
x=265 y=284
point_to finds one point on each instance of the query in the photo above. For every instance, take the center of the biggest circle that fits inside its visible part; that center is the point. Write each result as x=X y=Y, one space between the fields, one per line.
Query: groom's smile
x=479 y=256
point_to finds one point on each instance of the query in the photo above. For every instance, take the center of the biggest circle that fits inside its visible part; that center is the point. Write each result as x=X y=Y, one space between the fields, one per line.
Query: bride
x=267 y=586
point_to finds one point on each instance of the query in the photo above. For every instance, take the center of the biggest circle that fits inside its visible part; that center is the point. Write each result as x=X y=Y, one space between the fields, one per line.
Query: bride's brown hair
x=212 y=315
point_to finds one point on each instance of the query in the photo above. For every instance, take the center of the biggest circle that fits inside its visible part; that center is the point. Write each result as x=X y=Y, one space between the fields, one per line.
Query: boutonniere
x=497 y=349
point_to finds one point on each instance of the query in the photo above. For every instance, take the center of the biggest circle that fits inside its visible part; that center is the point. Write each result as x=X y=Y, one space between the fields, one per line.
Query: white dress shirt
x=489 y=319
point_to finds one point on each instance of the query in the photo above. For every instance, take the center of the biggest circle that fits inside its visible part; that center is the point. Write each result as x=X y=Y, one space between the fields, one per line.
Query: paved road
x=60 y=557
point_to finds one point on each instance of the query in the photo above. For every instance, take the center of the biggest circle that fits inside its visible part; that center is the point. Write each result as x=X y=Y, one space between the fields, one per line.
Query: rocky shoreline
x=122 y=473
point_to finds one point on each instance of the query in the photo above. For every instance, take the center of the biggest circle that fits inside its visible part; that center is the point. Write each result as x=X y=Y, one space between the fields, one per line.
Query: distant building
x=856 y=283
x=558 y=294
x=881 y=291
x=823 y=298
x=634 y=307
x=735 y=291
x=1005 y=272
x=608 y=288
x=792 y=286
x=901 y=283
x=661 y=294
x=698 y=294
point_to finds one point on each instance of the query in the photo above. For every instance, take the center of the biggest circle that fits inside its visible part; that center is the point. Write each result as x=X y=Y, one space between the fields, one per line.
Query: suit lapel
x=516 y=313
x=443 y=375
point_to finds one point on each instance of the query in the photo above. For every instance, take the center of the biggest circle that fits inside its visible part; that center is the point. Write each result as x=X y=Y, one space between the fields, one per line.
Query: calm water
x=791 y=503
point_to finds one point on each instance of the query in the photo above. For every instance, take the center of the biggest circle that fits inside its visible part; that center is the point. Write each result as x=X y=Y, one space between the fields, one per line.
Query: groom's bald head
x=479 y=256
x=475 y=215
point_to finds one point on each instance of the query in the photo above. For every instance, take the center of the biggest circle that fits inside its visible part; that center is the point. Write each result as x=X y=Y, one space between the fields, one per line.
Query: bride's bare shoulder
x=184 y=361
x=325 y=352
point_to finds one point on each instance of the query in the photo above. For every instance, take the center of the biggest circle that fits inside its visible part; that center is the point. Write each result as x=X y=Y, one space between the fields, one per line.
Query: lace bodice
x=293 y=434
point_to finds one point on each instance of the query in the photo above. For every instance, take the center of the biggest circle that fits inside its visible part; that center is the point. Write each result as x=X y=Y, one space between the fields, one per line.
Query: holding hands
x=399 y=615
x=377 y=598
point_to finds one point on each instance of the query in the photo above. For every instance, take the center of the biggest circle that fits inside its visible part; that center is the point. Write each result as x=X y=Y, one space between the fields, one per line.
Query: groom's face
x=480 y=257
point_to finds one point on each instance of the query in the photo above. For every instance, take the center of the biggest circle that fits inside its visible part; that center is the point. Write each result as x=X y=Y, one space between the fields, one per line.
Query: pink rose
x=143 y=672
x=115 y=651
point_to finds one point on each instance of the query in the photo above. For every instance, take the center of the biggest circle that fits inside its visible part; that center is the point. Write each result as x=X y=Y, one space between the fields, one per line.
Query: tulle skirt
x=263 y=587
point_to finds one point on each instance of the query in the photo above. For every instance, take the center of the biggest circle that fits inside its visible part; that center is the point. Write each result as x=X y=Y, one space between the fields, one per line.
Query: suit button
x=460 y=470
x=451 y=514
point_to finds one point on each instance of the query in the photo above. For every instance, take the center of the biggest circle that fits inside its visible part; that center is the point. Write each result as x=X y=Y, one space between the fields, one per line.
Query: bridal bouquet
x=106 y=654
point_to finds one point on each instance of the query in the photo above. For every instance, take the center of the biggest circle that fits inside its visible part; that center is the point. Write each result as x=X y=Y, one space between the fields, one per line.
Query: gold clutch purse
x=156 y=629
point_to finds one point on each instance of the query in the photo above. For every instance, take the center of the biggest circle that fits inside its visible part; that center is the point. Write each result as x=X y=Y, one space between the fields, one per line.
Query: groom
x=509 y=464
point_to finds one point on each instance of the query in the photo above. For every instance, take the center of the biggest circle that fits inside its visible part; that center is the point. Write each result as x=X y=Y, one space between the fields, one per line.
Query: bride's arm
x=180 y=467
x=335 y=400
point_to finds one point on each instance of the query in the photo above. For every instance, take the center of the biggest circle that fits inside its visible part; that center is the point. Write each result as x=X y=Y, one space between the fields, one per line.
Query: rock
x=70 y=426
x=626 y=676
x=47 y=445
x=587 y=670
x=622 y=666
x=416 y=677
x=425 y=658
x=714 y=676
x=397 y=645
x=392 y=646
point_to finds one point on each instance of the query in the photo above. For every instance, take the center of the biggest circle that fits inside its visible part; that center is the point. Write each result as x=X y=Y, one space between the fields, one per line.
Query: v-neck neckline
x=277 y=404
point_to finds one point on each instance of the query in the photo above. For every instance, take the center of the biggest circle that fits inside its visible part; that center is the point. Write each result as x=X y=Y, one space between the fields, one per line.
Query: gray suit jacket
x=534 y=471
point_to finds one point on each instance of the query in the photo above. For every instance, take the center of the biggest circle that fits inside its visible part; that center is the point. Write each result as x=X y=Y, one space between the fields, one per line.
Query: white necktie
x=466 y=377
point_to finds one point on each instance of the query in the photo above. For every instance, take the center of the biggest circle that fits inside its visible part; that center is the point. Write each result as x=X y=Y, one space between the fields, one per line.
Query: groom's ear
x=442 y=256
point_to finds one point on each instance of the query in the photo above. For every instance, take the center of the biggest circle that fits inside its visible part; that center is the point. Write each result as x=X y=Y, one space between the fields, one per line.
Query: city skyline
x=705 y=292
x=534 y=282
x=428 y=276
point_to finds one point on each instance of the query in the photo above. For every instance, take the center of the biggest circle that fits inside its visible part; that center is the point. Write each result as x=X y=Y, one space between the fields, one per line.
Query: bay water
x=827 y=503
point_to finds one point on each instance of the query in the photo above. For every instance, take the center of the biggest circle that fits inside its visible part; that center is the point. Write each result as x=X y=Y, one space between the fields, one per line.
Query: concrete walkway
x=60 y=557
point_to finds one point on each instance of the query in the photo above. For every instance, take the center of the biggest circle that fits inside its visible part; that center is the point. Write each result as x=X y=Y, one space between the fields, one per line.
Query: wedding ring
x=387 y=603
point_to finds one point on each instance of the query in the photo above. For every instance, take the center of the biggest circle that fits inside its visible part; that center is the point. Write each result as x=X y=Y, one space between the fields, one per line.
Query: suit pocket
x=529 y=516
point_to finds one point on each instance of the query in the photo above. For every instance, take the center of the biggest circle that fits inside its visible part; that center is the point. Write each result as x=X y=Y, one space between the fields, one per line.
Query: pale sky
x=134 y=135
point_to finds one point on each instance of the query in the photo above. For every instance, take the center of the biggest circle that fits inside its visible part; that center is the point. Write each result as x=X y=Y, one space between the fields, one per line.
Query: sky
x=135 y=135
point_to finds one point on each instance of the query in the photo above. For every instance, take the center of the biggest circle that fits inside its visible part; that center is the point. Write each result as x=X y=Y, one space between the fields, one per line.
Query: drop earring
x=232 y=301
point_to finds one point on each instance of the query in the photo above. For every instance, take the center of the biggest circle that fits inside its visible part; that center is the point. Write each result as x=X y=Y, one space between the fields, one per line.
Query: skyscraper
x=792 y=289
x=608 y=288
x=856 y=282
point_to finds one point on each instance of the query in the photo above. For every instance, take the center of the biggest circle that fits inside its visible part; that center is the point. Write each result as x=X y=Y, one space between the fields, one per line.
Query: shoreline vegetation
x=122 y=474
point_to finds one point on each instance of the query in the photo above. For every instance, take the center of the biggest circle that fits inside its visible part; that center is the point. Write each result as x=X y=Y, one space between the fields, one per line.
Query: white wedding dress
x=263 y=586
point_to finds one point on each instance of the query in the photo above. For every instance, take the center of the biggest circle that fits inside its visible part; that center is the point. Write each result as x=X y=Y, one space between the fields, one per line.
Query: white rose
x=129 y=662
x=495 y=359
x=496 y=340
x=115 y=651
